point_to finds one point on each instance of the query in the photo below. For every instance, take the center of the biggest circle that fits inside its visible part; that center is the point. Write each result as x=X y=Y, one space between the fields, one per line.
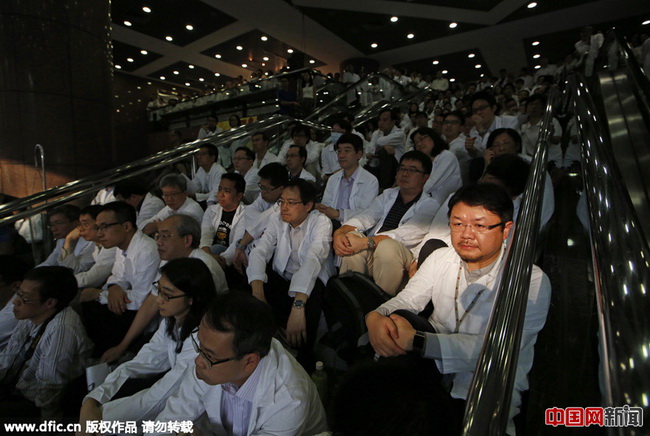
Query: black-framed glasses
x=266 y=189
x=289 y=203
x=476 y=228
x=409 y=171
x=26 y=300
x=165 y=296
x=163 y=236
x=205 y=356
x=104 y=226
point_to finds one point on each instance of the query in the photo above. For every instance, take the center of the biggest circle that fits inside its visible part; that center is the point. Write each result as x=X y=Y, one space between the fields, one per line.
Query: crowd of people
x=210 y=295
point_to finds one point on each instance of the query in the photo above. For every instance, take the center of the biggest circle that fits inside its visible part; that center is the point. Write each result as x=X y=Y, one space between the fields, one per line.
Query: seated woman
x=185 y=289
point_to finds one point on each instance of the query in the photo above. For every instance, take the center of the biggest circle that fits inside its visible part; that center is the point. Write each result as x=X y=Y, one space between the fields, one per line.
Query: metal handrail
x=489 y=396
x=622 y=273
x=79 y=188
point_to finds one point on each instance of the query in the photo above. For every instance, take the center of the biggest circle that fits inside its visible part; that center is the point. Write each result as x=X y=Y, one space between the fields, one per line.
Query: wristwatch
x=371 y=244
x=298 y=304
x=419 y=343
x=239 y=245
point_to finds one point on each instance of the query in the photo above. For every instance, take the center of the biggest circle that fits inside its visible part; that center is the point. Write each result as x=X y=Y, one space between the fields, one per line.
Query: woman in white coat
x=185 y=289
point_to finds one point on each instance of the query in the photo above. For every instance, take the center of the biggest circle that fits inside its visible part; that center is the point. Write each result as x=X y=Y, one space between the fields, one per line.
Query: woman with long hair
x=185 y=289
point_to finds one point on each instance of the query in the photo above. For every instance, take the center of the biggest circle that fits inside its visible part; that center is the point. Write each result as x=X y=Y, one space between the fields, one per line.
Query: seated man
x=210 y=128
x=329 y=157
x=134 y=192
x=352 y=189
x=395 y=223
x=174 y=192
x=256 y=216
x=298 y=240
x=62 y=220
x=301 y=136
x=244 y=380
x=387 y=145
x=461 y=281
x=223 y=223
x=243 y=162
x=108 y=312
x=260 y=144
x=206 y=180
x=104 y=257
x=12 y=270
x=485 y=119
x=58 y=346
x=296 y=157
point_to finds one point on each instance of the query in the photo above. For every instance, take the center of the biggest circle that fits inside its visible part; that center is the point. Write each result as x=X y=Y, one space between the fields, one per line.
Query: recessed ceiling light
x=244 y=65
x=535 y=43
x=477 y=66
x=264 y=38
x=471 y=55
x=189 y=27
x=147 y=9
x=532 y=5
x=129 y=59
x=118 y=67
x=217 y=74
x=139 y=87
x=482 y=75
x=187 y=83
x=144 y=52
x=452 y=80
x=162 y=77
x=394 y=19
x=201 y=79
x=436 y=62
x=444 y=71
x=239 y=47
x=410 y=36
x=645 y=23
x=373 y=45
x=453 y=25
x=311 y=61
x=537 y=56
x=290 y=51
x=263 y=64
x=218 y=56
x=169 y=38
x=148 y=83
x=176 y=72
x=537 y=67
x=128 y=24
x=265 y=58
x=191 y=67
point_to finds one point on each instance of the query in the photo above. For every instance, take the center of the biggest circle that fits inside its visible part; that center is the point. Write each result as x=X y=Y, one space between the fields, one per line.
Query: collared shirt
x=363 y=191
x=237 y=403
x=150 y=206
x=396 y=212
x=296 y=235
x=211 y=222
x=345 y=189
x=82 y=254
x=205 y=184
x=189 y=207
x=96 y=276
x=267 y=159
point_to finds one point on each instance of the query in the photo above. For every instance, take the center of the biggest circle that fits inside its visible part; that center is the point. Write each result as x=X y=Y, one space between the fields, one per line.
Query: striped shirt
x=396 y=212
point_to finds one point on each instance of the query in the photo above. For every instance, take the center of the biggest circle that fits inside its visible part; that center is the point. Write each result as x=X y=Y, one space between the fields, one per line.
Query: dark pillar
x=55 y=90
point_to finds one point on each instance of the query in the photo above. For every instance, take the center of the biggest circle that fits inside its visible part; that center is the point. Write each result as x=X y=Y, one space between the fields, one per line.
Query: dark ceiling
x=215 y=41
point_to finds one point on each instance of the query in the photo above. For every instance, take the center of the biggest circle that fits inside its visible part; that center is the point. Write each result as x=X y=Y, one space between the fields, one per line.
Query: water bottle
x=319 y=377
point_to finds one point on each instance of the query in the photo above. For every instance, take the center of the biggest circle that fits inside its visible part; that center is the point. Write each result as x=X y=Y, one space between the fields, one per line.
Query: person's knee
x=391 y=251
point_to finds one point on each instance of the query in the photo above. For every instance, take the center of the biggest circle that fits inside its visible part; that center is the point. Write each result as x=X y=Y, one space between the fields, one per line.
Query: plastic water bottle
x=319 y=377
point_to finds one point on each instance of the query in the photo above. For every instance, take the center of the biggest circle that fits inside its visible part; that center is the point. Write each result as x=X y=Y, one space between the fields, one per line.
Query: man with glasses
x=47 y=349
x=206 y=179
x=242 y=378
x=63 y=221
x=108 y=312
x=461 y=281
x=175 y=196
x=387 y=145
x=485 y=119
x=291 y=263
x=243 y=162
x=256 y=216
x=296 y=157
x=452 y=131
x=378 y=240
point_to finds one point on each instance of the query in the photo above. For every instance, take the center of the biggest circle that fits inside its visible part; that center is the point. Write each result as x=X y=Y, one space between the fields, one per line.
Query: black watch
x=419 y=343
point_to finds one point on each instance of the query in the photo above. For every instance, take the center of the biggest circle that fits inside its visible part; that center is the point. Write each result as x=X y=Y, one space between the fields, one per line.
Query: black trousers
x=104 y=327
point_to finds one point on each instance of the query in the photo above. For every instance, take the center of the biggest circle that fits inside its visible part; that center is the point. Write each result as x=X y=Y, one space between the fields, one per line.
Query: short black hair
x=300 y=128
x=55 y=282
x=458 y=114
x=249 y=153
x=343 y=124
x=302 y=152
x=240 y=183
x=537 y=97
x=420 y=114
x=12 y=269
x=508 y=131
x=394 y=113
x=483 y=95
x=211 y=149
x=124 y=212
x=175 y=180
x=489 y=196
x=129 y=187
x=308 y=190
x=275 y=173
x=512 y=171
x=70 y=211
x=350 y=138
x=425 y=160
x=250 y=321
x=92 y=210
x=264 y=136
x=439 y=144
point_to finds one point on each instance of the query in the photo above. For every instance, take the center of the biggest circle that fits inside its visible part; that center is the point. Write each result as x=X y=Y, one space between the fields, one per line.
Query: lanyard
x=471 y=305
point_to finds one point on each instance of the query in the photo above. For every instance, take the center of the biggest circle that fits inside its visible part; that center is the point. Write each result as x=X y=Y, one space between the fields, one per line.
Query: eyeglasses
x=290 y=203
x=163 y=236
x=266 y=189
x=171 y=194
x=409 y=171
x=103 y=227
x=480 y=108
x=205 y=356
x=25 y=300
x=476 y=228
x=242 y=158
x=165 y=297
